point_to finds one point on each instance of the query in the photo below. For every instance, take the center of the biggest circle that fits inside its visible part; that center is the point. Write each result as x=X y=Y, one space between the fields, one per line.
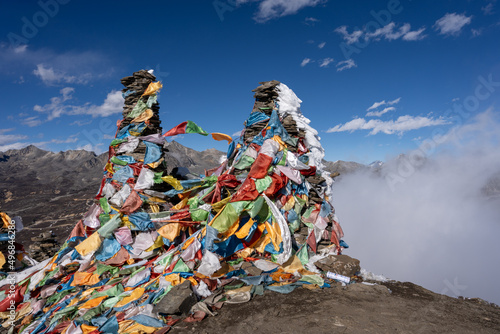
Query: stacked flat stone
x=44 y=246
x=135 y=85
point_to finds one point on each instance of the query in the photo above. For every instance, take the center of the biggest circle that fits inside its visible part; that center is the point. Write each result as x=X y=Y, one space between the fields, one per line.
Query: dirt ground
x=394 y=307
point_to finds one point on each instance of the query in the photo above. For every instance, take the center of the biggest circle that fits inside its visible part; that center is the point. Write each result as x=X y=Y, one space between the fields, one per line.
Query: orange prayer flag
x=221 y=136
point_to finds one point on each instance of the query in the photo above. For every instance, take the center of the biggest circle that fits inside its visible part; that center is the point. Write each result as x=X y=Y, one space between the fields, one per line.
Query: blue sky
x=376 y=77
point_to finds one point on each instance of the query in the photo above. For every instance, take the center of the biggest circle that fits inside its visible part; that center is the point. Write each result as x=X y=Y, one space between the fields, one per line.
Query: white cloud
x=42 y=144
x=382 y=103
x=9 y=138
x=21 y=48
x=31 y=121
x=379 y=113
x=311 y=20
x=49 y=76
x=399 y=126
x=90 y=148
x=415 y=35
x=350 y=38
x=113 y=104
x=57 y=106
x=271 y=9
x=13 y=146
x=389 y=32
x=476 y=32
x=305 y=62
x=488 y=9
x=81 y=123
x=325 y=62
x=321 y=45
x=452 y=23
x=345 y=65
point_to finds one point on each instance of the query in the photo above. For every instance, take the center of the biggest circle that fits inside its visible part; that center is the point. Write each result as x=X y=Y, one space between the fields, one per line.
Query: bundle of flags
x=255 y=222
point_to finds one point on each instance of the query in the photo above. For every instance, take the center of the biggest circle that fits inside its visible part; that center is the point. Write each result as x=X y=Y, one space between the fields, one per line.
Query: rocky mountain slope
x=52 y=191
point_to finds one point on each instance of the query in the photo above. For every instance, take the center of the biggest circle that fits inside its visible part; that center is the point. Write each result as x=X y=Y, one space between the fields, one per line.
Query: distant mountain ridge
x=52 y=190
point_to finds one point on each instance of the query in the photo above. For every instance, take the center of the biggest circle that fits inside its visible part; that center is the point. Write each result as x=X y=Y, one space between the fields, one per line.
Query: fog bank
x=427 y=217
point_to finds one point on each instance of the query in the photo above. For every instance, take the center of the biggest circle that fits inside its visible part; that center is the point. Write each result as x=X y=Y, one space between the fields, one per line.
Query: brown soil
x=393 y=307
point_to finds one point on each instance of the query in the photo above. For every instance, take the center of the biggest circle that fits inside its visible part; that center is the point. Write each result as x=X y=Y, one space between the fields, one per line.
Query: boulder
x=178 y=301
x=339 y=264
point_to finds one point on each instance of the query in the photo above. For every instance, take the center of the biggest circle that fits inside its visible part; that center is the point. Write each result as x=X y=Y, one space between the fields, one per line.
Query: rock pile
x=44 y=246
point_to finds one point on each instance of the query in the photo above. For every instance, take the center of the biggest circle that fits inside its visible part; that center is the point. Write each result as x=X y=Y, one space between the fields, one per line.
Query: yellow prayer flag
x=90 y=244
x=173 y=182
x=153 y=87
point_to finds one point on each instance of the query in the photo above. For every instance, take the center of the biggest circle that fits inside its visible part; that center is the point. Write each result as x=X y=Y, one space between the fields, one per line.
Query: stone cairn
x=44 y=246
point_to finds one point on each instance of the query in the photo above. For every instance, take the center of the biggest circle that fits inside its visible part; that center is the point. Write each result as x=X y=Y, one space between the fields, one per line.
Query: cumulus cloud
x=305 y=62
x=389 y=32
x=382 y=103
x=311 y=20
x=452 y=23
x=58 y=106
x=415 y=35
x=50 y=77
x=113 y=104
x=321 y=45
x=350 y=38
x=400 y=125
x=81 y=122
x=325 y=62
x=12 y=146
x=272 y=9
x=345 y=65
x=7 y=140
x=430 y=220
x=379 y=113
x=92 y=148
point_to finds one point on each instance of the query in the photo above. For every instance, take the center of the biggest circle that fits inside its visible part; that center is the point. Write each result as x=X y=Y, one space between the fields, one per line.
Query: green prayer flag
x=110 y=226
x=313 y=279
x=192 y=127
x=303 y=254
x=263 y=184
x=245 y=162
x=103 y=201
x=181 y=267
x=117 y=161
x=139 y=108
